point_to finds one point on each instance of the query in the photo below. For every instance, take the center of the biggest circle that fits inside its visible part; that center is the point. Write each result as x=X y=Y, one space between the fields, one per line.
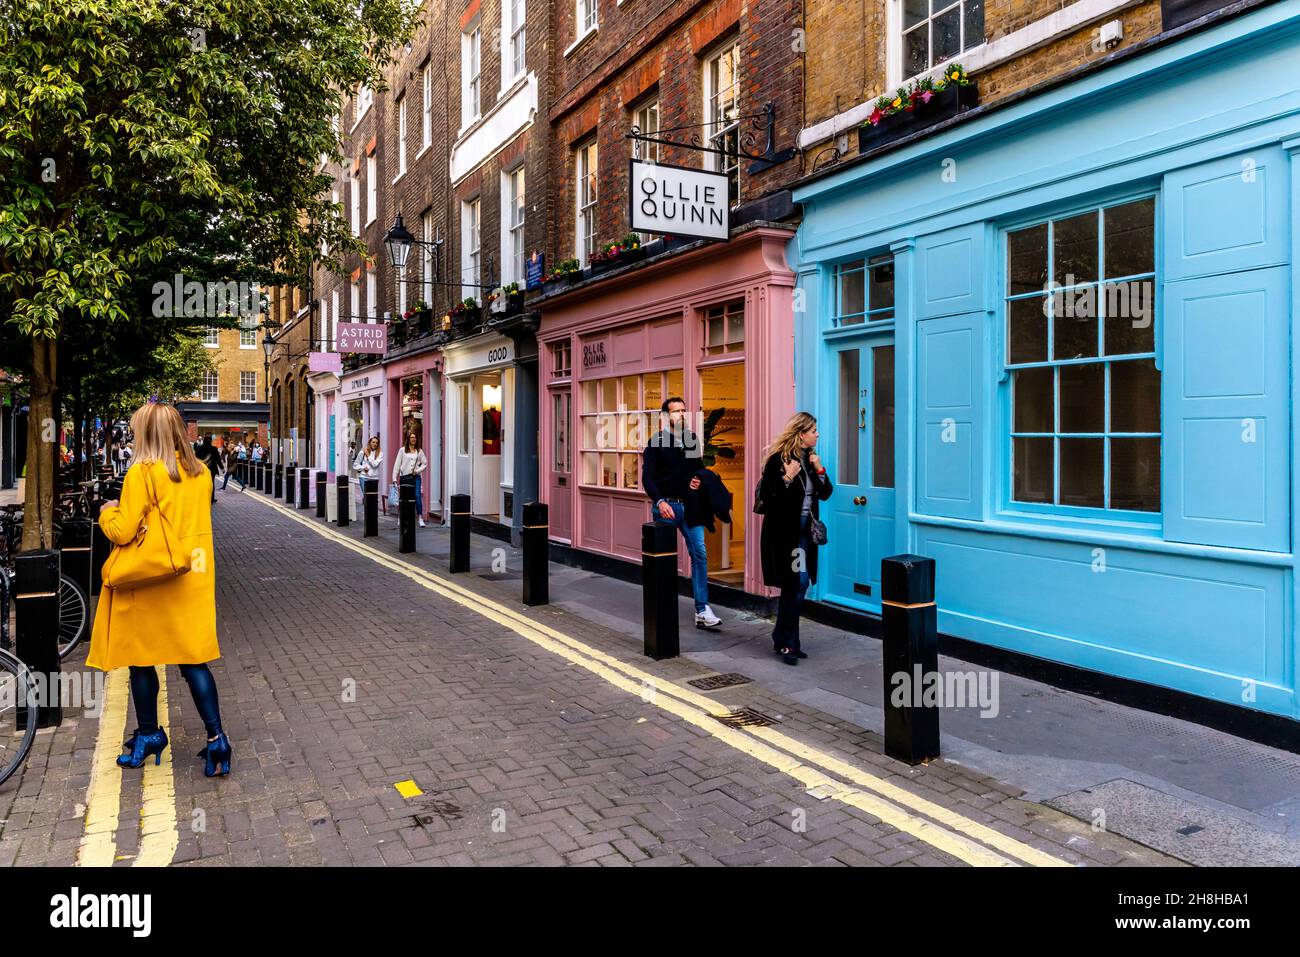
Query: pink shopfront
x=713 y=325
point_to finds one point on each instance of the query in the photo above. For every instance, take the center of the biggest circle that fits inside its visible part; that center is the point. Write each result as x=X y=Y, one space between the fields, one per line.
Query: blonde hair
x=160 y=437
x=789 y=442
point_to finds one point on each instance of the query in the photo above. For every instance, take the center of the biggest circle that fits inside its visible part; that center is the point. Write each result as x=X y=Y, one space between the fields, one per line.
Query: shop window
x=724 y=329
x=561 y=457
x=619 y=417
x=562 y=360
x=864 y=291
x=1085 y=391
x=937 y=30
x=412 y=408
x=463 y=445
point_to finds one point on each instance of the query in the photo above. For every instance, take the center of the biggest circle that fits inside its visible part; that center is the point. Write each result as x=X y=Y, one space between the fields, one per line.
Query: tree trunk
x=42 y=447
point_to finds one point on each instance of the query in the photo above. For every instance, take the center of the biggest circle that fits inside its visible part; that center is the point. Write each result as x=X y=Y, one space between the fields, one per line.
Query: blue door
x=860 y=439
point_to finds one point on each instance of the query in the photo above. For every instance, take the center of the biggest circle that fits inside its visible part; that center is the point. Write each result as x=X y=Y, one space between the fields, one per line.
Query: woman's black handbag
x=758 y=498
x=816 y=531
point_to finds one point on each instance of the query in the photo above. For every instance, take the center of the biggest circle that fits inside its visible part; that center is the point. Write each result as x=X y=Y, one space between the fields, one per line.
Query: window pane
x=1131 y=238
x=1074 y=249
x=590 y=430
x=609 y=470
x=946 y=34
x=631 y=466
x=1033 y=470
x=1027 y=260
x=1074 y=324
x=714 y=335
x=654 y=392
x=849 y=418
x=1130 y=316
x=1028 y=333
x=1134 y=396
x=914 y=11
x=675 y=383
x=631 y=392
x=1034 y=399
x=589 y=468
x=1082 y=473
x=608 y=395
x=1083 y=398
x=589 y=397
x=1135 y=474
x=882 y=417
x=973 y=24
x=882 y=289
x=916 y=50
x=851 y=294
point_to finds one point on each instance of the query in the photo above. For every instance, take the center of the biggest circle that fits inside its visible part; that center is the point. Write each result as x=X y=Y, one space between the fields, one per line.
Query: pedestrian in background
x=369 y=464
x=236 y=460
x=207 y=453
x=793 y=485
x=412 y=461
x=172 y=622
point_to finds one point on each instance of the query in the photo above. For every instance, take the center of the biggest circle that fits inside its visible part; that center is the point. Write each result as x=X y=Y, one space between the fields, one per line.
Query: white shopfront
x=480 y=424
x=361 y=395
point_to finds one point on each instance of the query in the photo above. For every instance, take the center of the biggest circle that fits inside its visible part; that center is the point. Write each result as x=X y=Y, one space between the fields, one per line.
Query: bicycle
x=74 y=604
x=18 y=692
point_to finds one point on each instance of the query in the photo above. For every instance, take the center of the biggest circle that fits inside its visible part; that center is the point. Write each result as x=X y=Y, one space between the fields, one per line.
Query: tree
x=139 y=136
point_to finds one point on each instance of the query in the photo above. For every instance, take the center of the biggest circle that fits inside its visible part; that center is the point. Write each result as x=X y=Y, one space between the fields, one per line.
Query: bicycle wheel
x=74 y=615
x=17 y=688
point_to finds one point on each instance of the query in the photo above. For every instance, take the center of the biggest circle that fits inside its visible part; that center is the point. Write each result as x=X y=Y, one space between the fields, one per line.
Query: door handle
x=859 y=500
x=862 y=418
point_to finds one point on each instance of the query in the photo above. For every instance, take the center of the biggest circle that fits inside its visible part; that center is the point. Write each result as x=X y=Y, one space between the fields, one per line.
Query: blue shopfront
x=1051 y=345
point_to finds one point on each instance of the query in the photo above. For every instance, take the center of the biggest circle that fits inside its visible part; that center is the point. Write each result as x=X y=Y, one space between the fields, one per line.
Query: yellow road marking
x=697 y=710
x=159 y=837
x=104 y=794
x=408 y=789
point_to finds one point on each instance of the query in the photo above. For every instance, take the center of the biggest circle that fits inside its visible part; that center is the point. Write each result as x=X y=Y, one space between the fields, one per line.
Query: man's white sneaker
x=706 y=618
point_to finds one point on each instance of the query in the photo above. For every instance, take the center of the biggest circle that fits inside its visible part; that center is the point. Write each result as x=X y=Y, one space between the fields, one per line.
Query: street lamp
x=399 y=240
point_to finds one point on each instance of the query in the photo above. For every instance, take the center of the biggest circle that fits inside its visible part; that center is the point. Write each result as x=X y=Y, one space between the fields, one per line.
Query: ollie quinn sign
x=678 y=201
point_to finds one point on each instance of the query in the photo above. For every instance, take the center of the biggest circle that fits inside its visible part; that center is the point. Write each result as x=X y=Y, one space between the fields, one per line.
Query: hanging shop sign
x=368 y=337
x=496 y=351
x=534 y=269
x=676 y=201
x=325 y=362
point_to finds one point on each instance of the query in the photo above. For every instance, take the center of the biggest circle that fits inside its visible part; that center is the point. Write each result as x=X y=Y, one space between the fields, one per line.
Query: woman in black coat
x=793 y=485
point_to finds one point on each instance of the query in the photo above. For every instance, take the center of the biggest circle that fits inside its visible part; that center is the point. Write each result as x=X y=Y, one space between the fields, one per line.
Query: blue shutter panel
x=950 y=440
x=1226 y=346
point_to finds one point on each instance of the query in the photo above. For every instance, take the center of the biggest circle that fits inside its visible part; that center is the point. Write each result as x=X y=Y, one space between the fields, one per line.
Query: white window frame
x=514 y=213
x=471 y=247
x=210 y=382
x=211 y=337
x=372 y=188
x=248 y=394
x=401 y=291
x=248 y=332
x=372 y=300
x=364 y=100
x=331 y=342
x=642 y=118
x=426 y=259
x=426 y=107
x=471 y=72
x=356 y=204
x=355 y=304
x=401 y=139
x=586 y=18
x=586 y=196
x=514 y=57
x=894 y=44
x=716 y=133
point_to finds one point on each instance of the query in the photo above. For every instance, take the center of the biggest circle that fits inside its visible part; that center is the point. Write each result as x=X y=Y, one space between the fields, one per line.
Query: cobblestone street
x=384 y=714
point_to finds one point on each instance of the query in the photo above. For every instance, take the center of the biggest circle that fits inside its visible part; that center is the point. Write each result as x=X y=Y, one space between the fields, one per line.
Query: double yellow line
x=940 y=827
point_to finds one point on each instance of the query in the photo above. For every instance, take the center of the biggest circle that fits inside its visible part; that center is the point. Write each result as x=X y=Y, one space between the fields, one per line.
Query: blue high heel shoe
x=216 y=753
x=140 y=746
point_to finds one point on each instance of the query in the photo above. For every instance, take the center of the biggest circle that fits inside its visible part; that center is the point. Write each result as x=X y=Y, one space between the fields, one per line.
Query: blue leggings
x=144 y=692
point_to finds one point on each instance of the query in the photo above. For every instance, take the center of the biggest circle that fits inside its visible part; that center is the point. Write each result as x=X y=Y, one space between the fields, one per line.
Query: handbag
x=392 y=496
x=154 y=556
x=816 y=531
x=759 y=507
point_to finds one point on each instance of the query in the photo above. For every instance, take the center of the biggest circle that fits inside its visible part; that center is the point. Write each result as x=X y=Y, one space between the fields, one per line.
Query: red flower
x=876 y=116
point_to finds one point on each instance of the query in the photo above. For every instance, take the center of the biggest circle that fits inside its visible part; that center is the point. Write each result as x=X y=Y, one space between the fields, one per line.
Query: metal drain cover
x=746 y=718
x=714 y=682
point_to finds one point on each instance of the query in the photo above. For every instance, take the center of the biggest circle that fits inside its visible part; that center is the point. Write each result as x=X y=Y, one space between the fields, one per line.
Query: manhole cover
x=746 y=718
x=714 y=682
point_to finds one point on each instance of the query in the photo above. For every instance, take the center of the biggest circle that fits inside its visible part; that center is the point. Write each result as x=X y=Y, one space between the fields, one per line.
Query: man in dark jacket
x=207 y=454
x=669 y=476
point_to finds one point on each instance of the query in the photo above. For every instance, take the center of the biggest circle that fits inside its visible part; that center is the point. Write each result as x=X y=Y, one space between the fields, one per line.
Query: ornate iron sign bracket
x=760 y=124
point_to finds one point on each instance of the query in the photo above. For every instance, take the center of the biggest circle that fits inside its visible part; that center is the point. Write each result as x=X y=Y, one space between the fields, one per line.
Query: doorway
x=861 y=516
x=722 y=434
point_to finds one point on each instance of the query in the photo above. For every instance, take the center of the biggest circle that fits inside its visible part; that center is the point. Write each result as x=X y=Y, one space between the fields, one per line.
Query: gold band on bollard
x=462 y=513
x=535 y=526
x=898 y=604
x=658 y=554
x=39 y=594
x=76 y=548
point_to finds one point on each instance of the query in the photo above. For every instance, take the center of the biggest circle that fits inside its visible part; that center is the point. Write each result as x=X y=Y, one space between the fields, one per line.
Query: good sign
x=678 y=202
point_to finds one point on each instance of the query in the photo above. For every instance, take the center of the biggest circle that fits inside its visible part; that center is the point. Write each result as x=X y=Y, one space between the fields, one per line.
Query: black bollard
x=659 y=590
x=344 y=505
x=460 y=515
x=100 y=546
x=36 y=597
x=75 y=553
x=406 y=514
x=322 y=478
x=304 y=488
x=257 y=476
x=535 y=539
x=290 y=484
x=278 y=472
x=370 y=505
x=911 y=656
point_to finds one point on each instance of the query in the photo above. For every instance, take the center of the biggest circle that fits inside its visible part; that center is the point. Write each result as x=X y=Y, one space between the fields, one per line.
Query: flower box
x=944 y=105
x=1175 y=13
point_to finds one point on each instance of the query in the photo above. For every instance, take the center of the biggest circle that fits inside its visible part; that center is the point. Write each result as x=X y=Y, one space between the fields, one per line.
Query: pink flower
x=925 y=96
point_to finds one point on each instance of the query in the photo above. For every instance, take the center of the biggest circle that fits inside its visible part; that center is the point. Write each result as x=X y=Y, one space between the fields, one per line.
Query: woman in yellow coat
x=168 y=623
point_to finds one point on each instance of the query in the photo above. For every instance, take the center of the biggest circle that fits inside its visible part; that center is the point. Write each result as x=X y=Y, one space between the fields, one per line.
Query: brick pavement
x=523 y=757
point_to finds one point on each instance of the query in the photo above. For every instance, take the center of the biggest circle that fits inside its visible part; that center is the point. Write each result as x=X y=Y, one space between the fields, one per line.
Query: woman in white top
x=368 y=464
x=412 y=461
